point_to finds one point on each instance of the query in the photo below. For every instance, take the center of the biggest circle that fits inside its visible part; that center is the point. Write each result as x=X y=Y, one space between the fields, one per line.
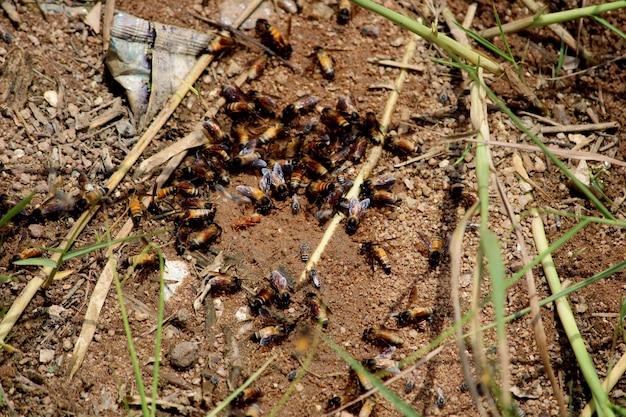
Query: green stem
x=448 y=44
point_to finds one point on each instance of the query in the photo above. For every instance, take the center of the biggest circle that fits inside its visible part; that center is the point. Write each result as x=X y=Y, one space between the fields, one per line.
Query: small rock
x=36 y=230
x=51 y=97
x=370 y=31
x=540 y=166
x=184 y=355
x=67 y=344
x=409 y=183
x=44 y=146
x=19 y=153
x=444 y=163
x=426 y=191
x=243 y=313
x=141 y=316
x=411 y=203
x=581 y=308
x=46 y=355
x=299 y=387
x=233 y=69
x=320 y=11
x=55 y=310
x=397 y=42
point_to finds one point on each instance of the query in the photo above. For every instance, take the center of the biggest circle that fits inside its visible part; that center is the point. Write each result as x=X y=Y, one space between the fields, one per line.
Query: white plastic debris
x=174 y=275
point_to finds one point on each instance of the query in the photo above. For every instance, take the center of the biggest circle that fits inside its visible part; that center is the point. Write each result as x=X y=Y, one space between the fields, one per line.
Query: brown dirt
x=62 y=51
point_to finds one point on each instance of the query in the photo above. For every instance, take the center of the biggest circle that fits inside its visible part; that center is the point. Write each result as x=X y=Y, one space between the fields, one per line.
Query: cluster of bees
x=300 y=152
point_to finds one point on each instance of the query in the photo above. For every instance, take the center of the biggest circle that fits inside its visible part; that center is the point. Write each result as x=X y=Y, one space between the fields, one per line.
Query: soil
x=59 y=53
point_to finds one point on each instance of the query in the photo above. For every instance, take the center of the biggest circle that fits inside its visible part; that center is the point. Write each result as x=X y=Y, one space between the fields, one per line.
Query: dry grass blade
x=566 y=153
x=537 y=323
x=368 y=166
x=455 y=251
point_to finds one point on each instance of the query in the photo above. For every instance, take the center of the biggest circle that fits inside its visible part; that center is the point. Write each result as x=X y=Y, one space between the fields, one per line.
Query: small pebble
x=184 y=355
x=36 y=230
x=46 y=355
x=51 y=97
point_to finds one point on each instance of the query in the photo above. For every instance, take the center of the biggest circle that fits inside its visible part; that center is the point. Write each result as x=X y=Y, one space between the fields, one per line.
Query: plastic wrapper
x=150 y=60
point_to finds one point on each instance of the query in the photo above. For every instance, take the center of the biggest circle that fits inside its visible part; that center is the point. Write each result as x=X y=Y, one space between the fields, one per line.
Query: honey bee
x=274 y=181
x=281 y=285
x=296 y=178
x=214 y=131
x=248 y=394
x=384 y=198
x=301 y=106
x=272 y=38
x=233 y=94
x=27 y=253
x=264 y=103
x=94 y=195
x=143 y=260
x=318 y=309
x=295 y=204
x=261 y=201
x=240 y=108
x=62 y=202
x=355 y=212
x=257 y=67
x=372 y=127
x=364 y=381
x=248 y=157
x=325 y=63
x=382 y=182
x=414 y=314
x=384 y=362
x=334 y=120
x=224 y=282
x=220 y=44
x=436 y=249
x=241 y=134
x=316 y=188
x=198 y=214
x=246 y=222
x=304 y=252
x=269 y=334
x=358 y=149
x=345 y=12
x=403 y=145
x=134 y=207
x=166 y=192
x=315 y=278
x=337 y=401
x=314 y=168
x=199 y=239
x=375 y=251
x=345 y=107
x=367 y=408
x=470 y=199
x=303 y=342
x=441 y=399
x=292 y=149
x=188 y=189
x=379 y=335
x=262 y=298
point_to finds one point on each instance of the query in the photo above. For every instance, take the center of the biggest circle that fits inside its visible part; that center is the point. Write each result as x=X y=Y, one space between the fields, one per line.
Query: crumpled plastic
x=150 y=60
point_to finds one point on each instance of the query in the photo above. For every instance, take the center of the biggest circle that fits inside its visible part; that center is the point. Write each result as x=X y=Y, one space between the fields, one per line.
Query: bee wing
x=278 y=280
x=364 y=205
x=266 y=180
x=277 y=175
x=249 y=147
x=387 y=353
x=356 y=207
x=259 y=163
x=266 y=340
x=245 y=191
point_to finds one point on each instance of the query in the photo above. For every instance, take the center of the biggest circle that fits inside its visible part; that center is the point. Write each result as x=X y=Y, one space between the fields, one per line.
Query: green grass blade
x=487 y=44
x=14 y=211
x=396 y=401
x=44 y=262
x=159 y=331
x=448 y=44
x=609 y=26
